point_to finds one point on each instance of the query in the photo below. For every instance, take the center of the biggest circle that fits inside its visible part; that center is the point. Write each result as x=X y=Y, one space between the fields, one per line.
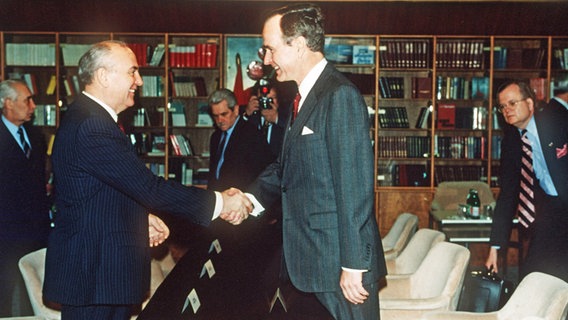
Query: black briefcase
x=484 y=291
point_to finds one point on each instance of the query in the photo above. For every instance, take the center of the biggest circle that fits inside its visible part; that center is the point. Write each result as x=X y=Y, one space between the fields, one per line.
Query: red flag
x=238 y=89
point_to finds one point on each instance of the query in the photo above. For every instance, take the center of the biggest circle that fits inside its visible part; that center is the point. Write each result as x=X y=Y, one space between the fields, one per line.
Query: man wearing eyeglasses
x=534 y=182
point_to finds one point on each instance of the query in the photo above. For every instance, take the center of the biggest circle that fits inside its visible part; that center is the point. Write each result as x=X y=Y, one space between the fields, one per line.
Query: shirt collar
x=112 y=113
x=531 y=128
x=309 y=81
x=11 y=127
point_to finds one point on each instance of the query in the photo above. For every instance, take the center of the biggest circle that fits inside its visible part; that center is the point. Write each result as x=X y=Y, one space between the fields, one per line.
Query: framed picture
x=246 y=46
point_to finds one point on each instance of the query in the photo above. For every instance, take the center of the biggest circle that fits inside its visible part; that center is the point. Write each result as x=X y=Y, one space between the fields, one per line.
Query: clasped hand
x=158 y=230
x=236 y=206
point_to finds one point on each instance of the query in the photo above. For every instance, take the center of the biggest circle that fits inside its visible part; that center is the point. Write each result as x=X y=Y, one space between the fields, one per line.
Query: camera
x=264 y=102
x=264 y=89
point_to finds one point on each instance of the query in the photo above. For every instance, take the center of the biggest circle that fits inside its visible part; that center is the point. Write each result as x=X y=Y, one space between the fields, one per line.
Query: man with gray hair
x=98 y=258
x=24 y=205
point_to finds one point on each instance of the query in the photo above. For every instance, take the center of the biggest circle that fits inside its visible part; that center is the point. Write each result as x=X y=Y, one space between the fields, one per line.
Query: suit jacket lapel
x=310 y=104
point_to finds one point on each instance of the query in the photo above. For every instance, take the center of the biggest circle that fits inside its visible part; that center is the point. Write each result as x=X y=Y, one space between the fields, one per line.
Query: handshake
x=236 y=206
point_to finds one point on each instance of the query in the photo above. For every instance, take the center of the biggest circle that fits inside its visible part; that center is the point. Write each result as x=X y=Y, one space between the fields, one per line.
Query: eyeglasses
x=511 y=104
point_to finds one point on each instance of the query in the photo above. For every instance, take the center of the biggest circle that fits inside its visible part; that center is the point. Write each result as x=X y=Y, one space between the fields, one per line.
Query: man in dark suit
x=560 y=99
x=98 y=261
x=543 y=208
x=24 y=204
x=244 y=153
x=324 y=174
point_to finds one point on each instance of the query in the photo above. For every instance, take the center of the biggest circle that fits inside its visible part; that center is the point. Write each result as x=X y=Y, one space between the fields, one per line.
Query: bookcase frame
x=389 y=200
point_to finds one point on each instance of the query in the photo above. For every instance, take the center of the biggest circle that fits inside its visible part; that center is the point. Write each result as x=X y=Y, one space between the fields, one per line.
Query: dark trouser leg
x=342 y=309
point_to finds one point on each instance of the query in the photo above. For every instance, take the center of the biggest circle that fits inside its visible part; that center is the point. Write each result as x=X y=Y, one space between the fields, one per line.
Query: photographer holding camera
x=263 y=110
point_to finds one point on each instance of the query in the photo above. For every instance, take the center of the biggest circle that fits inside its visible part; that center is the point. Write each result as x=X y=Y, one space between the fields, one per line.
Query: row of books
x=393 y=117
x=457 y=147
x=460 y=53
x=404 y=53
x=153 y=86
x=72 y=52
x=459 y=173
x=188 y=86
x=30 y=54
x=462 y=88
x=155 y=144
x=404 y=147
x=183 y=174
x=448 y=116
x=180 y=115
x=560 y=58
x=148 y=55
x=45 y=114
x=391 y=87
x=519 y=58
x=349 y=54
x=201 y=55
x=181 y=146
x=404 y=175
x=461 y=147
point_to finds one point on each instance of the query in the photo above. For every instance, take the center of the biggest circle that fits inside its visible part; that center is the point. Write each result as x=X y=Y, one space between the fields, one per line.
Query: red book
x=446 y=116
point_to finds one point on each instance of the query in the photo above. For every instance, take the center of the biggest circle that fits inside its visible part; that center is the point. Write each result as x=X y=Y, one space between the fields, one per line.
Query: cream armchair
x=436 y=285
x=32 y=267
x=415 y=251
x=538 y=296
x=399 y=234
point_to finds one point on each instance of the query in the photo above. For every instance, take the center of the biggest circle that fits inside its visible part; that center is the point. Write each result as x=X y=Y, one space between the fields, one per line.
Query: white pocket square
x=306 y=131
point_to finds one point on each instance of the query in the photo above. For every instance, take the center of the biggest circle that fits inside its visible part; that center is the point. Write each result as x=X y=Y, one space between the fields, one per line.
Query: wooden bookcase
x=461 y=140
x=430 y=98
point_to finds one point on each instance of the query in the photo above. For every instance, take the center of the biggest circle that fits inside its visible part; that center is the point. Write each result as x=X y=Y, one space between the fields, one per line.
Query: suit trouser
x=342 y=309
x=548 y=238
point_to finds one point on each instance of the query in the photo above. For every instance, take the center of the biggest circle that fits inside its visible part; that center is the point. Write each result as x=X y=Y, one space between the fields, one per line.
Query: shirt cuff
x=353 y=270
x=218 y=205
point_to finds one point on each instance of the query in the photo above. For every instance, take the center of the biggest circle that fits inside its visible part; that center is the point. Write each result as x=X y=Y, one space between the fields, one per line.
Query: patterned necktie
x=24 y=143
x=296 y=105
x=526 y=196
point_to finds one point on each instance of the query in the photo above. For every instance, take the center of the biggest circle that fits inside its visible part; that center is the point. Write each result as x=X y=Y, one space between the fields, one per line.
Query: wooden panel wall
x=441 y=18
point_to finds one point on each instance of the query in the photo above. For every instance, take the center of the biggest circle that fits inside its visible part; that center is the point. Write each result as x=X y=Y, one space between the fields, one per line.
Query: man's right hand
x=252 y=106
x=491 y=263
x=236 y=206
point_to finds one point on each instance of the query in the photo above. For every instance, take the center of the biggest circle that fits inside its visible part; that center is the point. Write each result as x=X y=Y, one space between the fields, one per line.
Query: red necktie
x=296 y=105
x=526 y=196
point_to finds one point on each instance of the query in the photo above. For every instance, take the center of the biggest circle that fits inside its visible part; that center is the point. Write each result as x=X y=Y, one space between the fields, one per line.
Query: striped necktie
x=526 y=196
x=24 y=143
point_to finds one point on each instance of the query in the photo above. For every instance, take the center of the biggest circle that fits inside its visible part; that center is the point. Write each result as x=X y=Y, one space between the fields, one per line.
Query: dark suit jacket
x=98 y=252
x=246 y=155
x=325 y=180
x=277 y=131
x=552 y=126
x=24 y=206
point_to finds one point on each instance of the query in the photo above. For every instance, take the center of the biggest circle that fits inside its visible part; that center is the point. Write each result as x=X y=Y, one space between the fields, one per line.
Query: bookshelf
x=430 y=97
x=31 y=57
